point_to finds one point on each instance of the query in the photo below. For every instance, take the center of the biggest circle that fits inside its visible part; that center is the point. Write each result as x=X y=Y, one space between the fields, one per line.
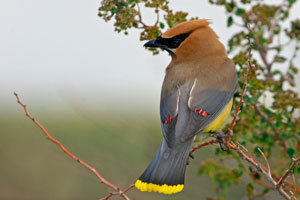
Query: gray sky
x=60 y=50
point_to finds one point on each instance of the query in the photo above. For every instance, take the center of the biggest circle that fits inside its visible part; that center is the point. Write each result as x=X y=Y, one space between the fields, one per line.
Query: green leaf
x=294 y=69
x=276 y=31
x=240 y=11
x=291 y=1
x=266 y=191
x=279 y=59
x=229 y=21
x=134 y=24
x=290 y=151
x=229 y=7
x=264 y=40
x=276 y=72
x=250 y=188
x=161 y=25
x=246 y=1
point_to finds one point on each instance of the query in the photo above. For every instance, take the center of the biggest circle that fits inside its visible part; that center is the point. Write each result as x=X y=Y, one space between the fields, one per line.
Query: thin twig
x=140 y=16
x=203 y=145
x=269 y=175
x=101 y=178
x=117 y=193
x=275 y=21
x=266 y=171
x=294 y=182
x=243 y=90
x=287 y=172
x=244 y=148
x=263 y=53
x=157 y=18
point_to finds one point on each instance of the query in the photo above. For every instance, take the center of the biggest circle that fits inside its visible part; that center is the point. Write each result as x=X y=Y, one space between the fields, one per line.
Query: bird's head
x=188 y=38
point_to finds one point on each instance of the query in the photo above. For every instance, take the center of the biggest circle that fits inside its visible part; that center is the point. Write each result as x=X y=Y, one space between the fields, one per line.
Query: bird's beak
x=151 y=43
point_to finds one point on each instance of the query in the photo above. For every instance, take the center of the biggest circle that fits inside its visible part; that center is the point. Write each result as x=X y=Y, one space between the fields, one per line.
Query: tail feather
x=166 y=172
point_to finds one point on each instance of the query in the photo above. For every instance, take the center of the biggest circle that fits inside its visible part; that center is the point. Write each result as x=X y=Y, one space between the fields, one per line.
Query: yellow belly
x=220 y=120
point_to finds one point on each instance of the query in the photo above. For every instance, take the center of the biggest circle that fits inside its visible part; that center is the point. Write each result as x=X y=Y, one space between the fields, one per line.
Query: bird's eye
x=175 y=43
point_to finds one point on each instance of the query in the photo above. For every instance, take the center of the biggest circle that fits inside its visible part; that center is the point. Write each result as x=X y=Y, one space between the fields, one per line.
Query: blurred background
x=94 y=90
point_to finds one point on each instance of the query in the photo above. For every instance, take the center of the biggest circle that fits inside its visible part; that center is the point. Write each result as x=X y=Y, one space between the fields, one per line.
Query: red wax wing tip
x=166 y=121
x=195 y=110
x=170 y=118
x=204 y=114
x=200 y=111
x=191 y=108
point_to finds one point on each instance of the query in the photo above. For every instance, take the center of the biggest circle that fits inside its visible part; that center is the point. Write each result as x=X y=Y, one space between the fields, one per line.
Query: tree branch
x=275 y=21
x=117 y=190
x=140 y=16
x=287 y=172
x=244 y=88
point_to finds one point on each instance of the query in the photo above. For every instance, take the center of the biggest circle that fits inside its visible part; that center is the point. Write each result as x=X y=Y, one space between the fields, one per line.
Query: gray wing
x=168 y=114
x=204 y=107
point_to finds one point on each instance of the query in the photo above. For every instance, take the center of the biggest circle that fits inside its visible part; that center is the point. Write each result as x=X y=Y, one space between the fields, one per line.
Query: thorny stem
x=203 y=145
x=243 y=90
x=65 y=150
x=140 y=16
x=263 y=53
x=114 y=193
x=270 y=178
x=275 y=21
x=287 y=172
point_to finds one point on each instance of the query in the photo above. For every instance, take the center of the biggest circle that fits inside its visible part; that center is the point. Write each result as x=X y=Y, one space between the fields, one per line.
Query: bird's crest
x=185 y=27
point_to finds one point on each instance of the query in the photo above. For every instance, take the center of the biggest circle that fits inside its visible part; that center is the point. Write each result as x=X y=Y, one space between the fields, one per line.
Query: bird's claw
x=222 y=139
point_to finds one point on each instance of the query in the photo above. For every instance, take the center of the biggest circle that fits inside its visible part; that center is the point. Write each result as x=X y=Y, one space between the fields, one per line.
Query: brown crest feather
x=185 y=27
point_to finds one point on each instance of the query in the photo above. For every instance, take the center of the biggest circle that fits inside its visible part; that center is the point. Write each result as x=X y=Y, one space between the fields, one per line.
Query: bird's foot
x=191 y=156
x=222 y=139
x=188 y=160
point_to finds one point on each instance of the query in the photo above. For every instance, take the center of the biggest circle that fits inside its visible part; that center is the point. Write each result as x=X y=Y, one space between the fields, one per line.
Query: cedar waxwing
x=196 y=97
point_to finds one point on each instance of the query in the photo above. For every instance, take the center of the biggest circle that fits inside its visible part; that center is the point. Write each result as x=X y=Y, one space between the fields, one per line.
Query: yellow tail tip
x=165 y=189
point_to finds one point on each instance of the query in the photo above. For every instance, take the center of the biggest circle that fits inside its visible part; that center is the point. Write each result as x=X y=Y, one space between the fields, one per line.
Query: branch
x=275 y=21
x=263 y=56
x=263 y=53
x=278 y=185
x=287 y=172
x=140 y=16
x=266 y=171
x=244 y=88
x=157 y=17
x=115 y=193
x=117 y=190
x=203 y=145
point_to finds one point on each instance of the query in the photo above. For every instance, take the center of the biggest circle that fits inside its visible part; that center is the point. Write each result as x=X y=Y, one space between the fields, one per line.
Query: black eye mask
x=172 y=43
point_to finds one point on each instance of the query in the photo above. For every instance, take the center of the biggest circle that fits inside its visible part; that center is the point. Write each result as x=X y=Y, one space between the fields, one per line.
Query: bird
x=196 y=97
